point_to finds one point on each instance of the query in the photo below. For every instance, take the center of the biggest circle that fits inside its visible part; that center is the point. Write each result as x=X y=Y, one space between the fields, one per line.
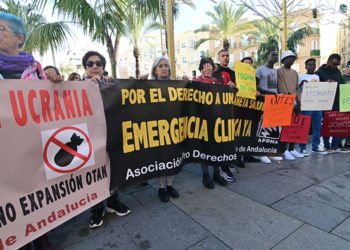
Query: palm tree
x=225 y=23
x=102 y=19
x=267 y=35
x=41 y=35
x=156 y=8
x=136 y=29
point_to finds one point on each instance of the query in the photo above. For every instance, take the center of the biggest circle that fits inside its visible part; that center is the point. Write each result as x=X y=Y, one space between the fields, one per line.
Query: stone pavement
x=302 y=204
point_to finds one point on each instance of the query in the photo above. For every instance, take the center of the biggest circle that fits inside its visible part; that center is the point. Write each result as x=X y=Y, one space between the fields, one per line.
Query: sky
x=189 y=19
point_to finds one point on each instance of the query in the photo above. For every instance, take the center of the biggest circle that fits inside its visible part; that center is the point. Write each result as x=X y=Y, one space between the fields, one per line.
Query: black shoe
x=172 y=192
x=97 y=217
x=117 y=207
x=207 y=182
x=163 y=195
x=227 y=175
x=219 y=180
x=250 y=159
x=240 y=163
x=233 y=169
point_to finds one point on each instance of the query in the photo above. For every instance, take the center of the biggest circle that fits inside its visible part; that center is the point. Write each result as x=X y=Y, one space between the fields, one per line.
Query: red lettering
x=45 y=105
x=57 y=107
x=31 y=97
x=30 y=229
x=82 y=202
x=68 y=104
x=8 y=242
x=21 y=120
x=77 y=102
x=11 y=240
x=86 y=104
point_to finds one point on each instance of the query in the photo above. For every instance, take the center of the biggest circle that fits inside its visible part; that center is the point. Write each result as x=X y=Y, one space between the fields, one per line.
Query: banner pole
x=170 y=31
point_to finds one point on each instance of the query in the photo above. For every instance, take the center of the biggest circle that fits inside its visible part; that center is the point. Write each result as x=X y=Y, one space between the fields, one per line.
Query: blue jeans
x=316 y=119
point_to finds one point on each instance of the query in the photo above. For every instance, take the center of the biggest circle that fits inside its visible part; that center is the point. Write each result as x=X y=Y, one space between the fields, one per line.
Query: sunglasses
x=91 y=64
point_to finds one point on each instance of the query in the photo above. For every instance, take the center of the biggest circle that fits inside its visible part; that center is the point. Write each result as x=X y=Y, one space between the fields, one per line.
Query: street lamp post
x=170 y=31
x=284 y=40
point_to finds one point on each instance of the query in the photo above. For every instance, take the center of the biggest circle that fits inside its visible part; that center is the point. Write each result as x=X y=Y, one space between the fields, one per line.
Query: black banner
x=154 y=127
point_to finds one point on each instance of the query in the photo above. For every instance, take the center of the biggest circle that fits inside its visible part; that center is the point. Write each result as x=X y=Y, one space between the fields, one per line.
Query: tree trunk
x=137 y=63
x=111 y=54
x=116 y=50
x=163 y=14
x=226 y=44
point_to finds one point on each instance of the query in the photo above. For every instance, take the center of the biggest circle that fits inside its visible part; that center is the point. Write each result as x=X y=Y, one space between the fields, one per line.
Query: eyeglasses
x=4 y=28
x=91 y=64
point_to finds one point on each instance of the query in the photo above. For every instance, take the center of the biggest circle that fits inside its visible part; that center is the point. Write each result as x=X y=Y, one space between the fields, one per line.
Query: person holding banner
x=161 y=71
x=94 y=64
x=316 y=116
x=16 y=64
x=206 y=67
x=226 y=76
x=288 y=84
x=329 y=72
x=267 y=85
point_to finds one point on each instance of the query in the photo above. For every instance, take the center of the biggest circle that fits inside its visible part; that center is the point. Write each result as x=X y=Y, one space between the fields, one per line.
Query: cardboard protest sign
x=53 y=141
x=245 y=79
x=278 y=110
x=298 y=131
x=318 y=96
x=344 y=97
x=336 y=124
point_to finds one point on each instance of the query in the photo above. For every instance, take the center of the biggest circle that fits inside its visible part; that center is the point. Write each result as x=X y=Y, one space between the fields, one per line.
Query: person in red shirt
x=206 y=67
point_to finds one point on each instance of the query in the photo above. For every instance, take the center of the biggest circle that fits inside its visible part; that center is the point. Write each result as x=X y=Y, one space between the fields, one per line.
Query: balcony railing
x=315 y=52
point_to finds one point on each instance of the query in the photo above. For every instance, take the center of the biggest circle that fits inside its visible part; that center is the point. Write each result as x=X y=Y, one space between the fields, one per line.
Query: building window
x=184 y=60
x=314 y=45
x=192 y=42
x=183 y=45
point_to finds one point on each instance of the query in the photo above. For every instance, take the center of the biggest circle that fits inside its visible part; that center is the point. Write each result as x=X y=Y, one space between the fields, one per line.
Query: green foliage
x=225 y=23
x=267 y=35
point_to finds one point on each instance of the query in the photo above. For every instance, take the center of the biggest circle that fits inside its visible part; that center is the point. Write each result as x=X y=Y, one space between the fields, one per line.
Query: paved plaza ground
x=302 y=204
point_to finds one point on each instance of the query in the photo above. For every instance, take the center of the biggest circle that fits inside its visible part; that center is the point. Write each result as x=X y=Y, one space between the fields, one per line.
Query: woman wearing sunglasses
x=94 y=64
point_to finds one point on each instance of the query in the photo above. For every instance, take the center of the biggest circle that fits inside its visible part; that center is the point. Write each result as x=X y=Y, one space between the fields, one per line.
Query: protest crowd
x=270 y=81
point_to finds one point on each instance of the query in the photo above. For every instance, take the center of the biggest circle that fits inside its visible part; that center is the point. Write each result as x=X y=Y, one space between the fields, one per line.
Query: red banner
x=336 y=124
x=298 y=131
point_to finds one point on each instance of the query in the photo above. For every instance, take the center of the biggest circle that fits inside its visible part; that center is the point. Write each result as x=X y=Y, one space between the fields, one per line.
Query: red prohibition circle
x=50 y=141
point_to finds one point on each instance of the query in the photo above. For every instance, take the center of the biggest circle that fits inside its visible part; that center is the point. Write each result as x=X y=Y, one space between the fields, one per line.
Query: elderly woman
x=94 y=64
x=16 y=64
x=161 y=71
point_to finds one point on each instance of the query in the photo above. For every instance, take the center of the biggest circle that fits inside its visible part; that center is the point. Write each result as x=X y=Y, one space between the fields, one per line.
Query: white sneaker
x=265 y=159
x=296 y=154
x=304 y=152
x=276 y=158
x=288 y=156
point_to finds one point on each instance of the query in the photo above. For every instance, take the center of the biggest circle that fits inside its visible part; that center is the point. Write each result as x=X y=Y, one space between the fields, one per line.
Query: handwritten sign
x=278 y=110
x=336 y=124
x=344 y=98
x=298 y=131
x=318 y=96
x=245 y=79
